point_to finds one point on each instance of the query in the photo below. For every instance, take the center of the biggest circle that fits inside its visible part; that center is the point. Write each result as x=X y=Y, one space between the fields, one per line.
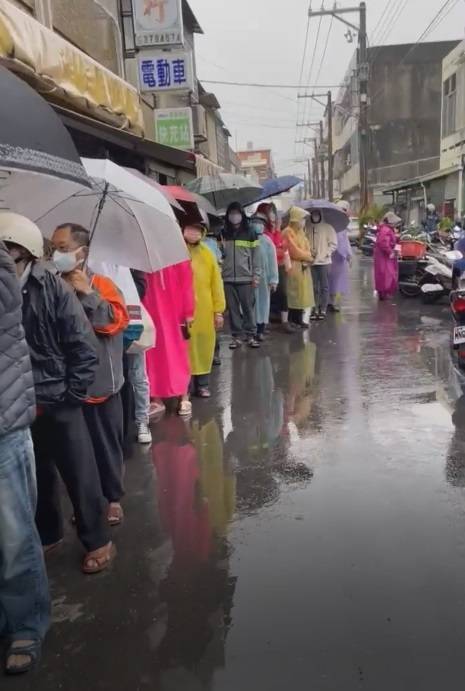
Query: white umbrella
x=131 y=222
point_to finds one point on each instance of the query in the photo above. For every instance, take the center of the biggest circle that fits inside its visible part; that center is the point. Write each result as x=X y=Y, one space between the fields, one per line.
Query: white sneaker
x=144 y=435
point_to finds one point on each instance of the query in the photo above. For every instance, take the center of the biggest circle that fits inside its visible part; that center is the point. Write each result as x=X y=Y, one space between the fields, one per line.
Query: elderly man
x=106 y=310
x=64 y=359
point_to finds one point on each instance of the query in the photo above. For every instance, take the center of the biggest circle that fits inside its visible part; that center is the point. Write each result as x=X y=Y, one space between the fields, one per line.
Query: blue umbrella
x=331 y=213
x=275 y=186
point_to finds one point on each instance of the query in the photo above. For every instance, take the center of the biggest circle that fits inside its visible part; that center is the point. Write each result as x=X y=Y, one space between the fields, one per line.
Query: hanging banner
x=165 y=70
x=158 y=23
x=174 y=127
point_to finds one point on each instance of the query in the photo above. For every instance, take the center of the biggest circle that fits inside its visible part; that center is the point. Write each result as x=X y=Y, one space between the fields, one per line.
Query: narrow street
x=306 y=530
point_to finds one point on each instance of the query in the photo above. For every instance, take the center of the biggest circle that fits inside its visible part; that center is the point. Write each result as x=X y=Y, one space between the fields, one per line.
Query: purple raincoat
x=385 y=260
x=339 y=273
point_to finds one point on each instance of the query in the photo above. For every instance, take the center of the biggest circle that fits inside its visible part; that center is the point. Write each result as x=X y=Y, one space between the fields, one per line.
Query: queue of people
x=66 y=360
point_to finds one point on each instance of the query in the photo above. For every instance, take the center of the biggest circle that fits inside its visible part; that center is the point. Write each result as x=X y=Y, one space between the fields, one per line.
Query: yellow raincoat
x=299 y=278
x=209 y=300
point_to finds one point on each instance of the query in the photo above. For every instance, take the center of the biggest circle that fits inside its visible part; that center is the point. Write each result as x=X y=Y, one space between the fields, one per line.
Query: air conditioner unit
x=200 y=124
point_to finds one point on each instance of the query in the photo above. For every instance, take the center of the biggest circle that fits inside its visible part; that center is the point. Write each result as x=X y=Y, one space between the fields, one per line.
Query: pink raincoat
x=385 y=260
x=170 y=301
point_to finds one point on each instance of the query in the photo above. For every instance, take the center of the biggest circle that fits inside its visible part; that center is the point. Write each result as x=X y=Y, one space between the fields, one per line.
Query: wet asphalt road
x=305 y=531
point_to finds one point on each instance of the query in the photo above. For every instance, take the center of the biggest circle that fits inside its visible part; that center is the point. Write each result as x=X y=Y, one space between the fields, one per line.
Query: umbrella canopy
x=188 y=199
x=161 y=188
x=32 y=137
x=275 y=186
x=132 y=223
x=331 y=213
x=225 y=188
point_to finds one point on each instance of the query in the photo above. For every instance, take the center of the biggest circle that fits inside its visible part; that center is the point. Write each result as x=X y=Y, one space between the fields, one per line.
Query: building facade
x=404 y=111
x=82 y=56
x=257 y=163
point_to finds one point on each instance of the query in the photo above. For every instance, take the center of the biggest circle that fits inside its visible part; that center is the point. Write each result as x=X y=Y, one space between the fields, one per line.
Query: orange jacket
x=106 y=311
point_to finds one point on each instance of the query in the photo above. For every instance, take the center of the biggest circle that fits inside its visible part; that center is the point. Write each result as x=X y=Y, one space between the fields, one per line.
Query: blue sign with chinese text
x=165 y=71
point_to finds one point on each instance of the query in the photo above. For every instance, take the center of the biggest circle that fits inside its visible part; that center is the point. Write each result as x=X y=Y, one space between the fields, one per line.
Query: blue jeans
x=24 y=595
x=140 y=384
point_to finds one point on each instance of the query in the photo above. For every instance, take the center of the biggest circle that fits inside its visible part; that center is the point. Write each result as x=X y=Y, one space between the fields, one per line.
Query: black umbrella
x=32 y=137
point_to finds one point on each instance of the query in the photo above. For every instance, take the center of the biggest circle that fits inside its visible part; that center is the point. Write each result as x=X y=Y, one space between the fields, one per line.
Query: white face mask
x=66 y=262
x=235 y=219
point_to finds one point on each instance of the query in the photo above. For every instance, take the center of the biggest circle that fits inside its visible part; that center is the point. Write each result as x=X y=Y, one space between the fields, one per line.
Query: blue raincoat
x=269 y=277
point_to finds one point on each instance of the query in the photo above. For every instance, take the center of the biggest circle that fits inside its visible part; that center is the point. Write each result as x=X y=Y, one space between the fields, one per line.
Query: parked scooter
x=457 y=305
x=437 y=282
x=368 y=241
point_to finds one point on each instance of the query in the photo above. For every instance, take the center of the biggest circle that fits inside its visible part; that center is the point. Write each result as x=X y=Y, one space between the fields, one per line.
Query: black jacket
x=17 y=400
x=61 y=340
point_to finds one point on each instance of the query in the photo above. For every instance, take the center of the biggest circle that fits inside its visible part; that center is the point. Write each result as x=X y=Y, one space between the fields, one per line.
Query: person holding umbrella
x=241 y=275
x=106 y=310
x=323 y=242
x=299 y=279
x=64 y=359
x=209 y=307
x=279 y=296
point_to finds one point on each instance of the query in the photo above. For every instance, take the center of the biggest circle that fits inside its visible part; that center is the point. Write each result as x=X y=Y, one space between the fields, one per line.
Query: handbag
x=148 y=338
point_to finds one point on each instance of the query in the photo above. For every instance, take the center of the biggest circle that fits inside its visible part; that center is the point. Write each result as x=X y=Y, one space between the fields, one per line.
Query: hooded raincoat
x=209 y=300
x=385 y=262
x=299 y=279
x=269 y=274
x=339 y=273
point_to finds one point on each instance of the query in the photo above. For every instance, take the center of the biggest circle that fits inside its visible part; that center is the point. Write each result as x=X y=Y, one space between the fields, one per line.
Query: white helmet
x=431 y=208
x=21 y=231
x=344 y=206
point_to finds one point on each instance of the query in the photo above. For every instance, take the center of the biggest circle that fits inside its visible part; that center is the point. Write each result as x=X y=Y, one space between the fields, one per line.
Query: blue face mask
x=258 y=227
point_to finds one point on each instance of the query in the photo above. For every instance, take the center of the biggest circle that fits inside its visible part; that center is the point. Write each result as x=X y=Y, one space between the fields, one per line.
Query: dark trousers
x=296 y=316
x=200 y=381
x=320 y=277
x=240 y=299
x=61 y=441
x=105 y=423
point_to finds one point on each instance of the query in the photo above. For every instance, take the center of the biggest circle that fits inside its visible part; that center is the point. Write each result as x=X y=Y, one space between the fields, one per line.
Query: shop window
x=449 y=106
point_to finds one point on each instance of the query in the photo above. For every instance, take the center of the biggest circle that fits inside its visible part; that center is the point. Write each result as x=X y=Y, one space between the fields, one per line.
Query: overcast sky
x=263 y=41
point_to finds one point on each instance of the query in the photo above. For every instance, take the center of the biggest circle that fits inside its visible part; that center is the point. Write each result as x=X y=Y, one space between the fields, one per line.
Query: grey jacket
x=106 y=311
x=17 y=399
x=241 y=256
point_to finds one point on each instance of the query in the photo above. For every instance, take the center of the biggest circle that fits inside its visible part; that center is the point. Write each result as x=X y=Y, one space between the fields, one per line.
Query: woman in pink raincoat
x=170 y=301
x=385 y=257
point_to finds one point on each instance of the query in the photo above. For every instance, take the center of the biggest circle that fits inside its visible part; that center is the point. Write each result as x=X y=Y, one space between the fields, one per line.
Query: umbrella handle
x=101 y=204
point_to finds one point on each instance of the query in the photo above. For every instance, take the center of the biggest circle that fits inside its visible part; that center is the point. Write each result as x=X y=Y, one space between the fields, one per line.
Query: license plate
x=459 y=335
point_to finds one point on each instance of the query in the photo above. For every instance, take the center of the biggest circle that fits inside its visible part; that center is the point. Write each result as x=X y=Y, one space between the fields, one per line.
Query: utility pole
x=317 y=173
x=322 y=161
x=315 y=194
x=310 y=190
x=363 y=121
x=330 y=148
x=363 y=76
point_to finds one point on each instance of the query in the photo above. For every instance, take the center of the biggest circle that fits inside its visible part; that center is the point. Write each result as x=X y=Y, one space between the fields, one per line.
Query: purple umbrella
x=331 y=213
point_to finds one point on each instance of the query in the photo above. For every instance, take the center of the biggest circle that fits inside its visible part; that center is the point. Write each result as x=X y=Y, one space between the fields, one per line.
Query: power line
x=310 y=72
x=380 y=21
x=396 y=11
x=302 y=69
x=271 y=86
x=325 y=50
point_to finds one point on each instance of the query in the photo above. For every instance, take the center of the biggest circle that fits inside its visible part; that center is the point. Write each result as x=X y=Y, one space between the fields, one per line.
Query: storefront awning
x=64 y=74
x=408 y=184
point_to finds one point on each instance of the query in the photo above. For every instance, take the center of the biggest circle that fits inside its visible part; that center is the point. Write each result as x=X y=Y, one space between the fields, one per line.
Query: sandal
x=29 y=649
x=185 y=409
x=204 y=392
x=115 y=514
x=99 y=560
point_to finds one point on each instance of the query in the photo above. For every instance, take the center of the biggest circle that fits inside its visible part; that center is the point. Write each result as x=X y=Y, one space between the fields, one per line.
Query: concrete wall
x=453 y=146
x=405 y=92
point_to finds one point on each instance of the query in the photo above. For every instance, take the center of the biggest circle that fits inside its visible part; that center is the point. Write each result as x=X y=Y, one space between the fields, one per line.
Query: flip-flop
x=115 y=515
x=101 y=563
x=31 y=650
x=48 y=549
